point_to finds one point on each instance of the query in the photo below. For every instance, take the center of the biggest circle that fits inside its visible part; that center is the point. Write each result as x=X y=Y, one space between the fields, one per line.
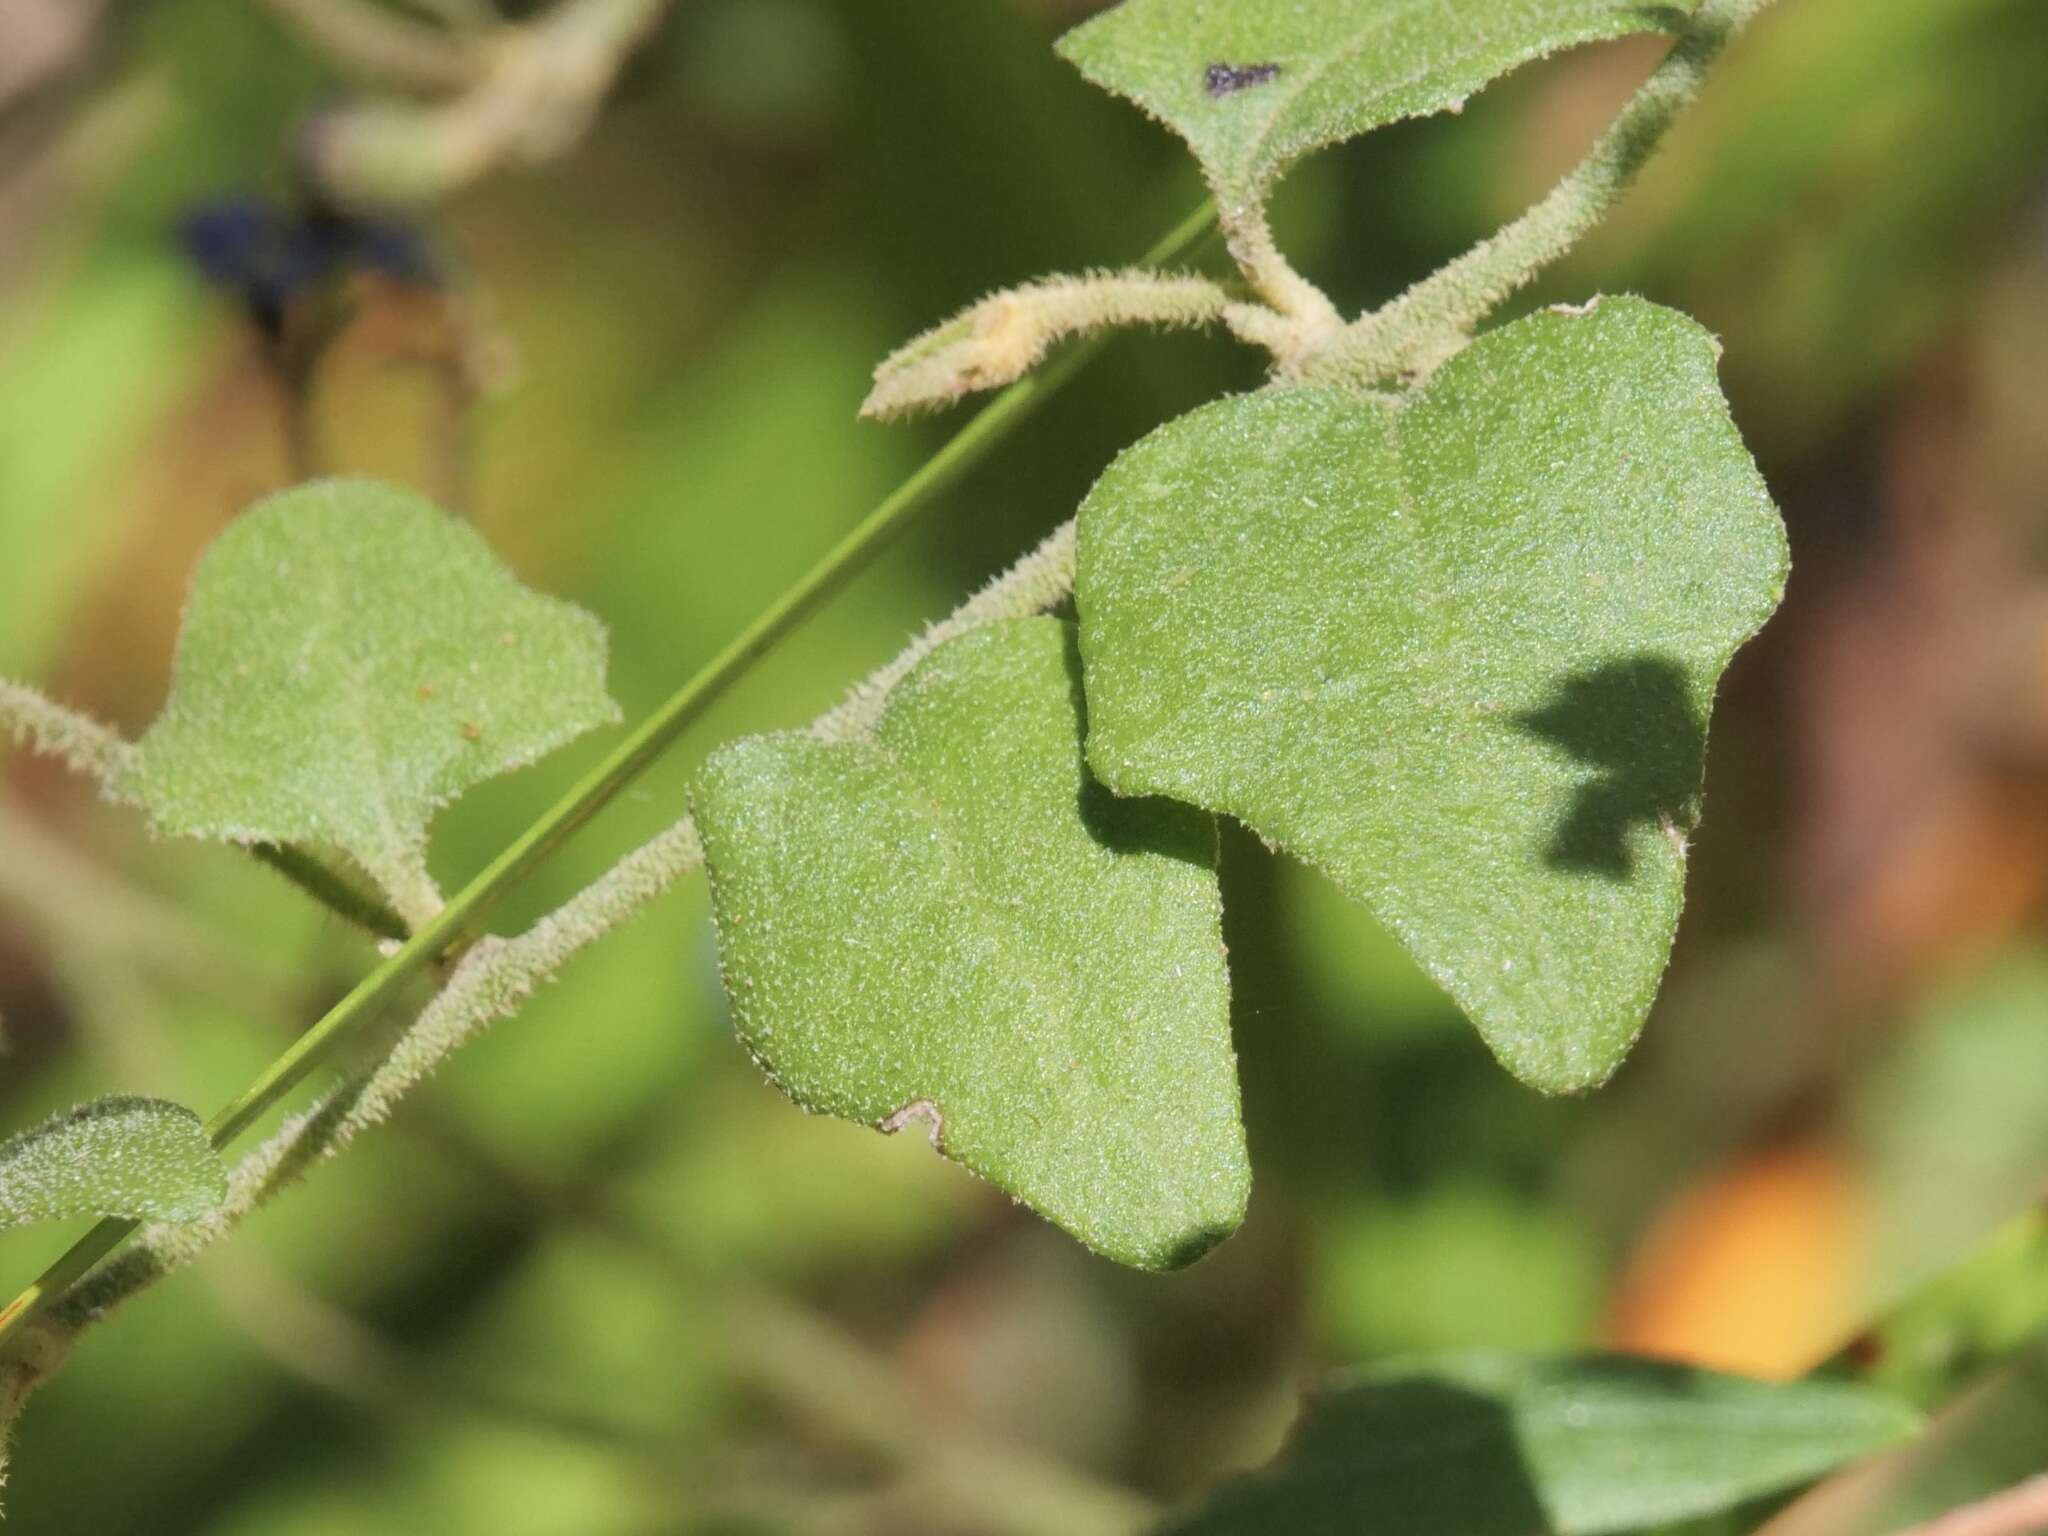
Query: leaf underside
x=1253 y=85
x=145 y=1159
x=1457 y=653
x=1487 y=1445
x=351 y=660
x=950 y=927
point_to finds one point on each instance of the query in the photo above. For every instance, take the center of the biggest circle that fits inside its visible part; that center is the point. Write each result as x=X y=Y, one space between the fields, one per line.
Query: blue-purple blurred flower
x=273 y=258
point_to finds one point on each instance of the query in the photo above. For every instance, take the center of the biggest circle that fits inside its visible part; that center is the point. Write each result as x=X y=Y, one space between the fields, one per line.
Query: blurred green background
x=601 y=1278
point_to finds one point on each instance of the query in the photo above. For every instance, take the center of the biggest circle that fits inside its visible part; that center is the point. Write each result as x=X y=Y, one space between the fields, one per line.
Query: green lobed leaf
x=145 y=1159
x=351 y=660
x=1456 y=652
x=1253 y=85
x=1497 y=1445
x=951 y=925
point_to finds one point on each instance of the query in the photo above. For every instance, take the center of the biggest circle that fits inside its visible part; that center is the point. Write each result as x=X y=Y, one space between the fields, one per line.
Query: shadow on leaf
x=1633 y=722
x=1141 y=824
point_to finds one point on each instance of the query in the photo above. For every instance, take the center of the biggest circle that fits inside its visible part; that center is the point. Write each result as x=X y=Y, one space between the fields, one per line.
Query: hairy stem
x=597 y=789
x=97 y=752
x=1302 y=320
x=48 y=729
x=496 y=976
x=1008 y=334
x=1039 y=582
x=492 y=981
x=1427 y=324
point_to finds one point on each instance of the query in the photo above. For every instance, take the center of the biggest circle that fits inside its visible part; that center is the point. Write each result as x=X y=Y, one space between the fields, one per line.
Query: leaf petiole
x=1424 y=326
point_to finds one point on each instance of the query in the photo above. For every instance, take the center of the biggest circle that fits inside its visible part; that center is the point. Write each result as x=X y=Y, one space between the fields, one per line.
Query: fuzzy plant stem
x=778 y=1348
x=1297 y=320
x=97 y=752
x=493 y=979
x=1428 y=323
x=48 y=729
x=1038 y=583
x=490 y=983
x=1008 y=334
x=366 y=1001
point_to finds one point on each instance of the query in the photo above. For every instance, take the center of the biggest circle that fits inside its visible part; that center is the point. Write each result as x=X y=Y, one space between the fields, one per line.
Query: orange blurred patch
x=1753 y=1269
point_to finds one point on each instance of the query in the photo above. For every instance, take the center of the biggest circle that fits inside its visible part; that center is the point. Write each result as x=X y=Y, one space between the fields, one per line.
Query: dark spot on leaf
x=1632 y=720
x=1228 y=79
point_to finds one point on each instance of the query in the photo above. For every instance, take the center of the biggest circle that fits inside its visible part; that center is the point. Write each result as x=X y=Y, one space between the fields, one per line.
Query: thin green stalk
x=496 y=976
x=1430 y=321
x=626 y=762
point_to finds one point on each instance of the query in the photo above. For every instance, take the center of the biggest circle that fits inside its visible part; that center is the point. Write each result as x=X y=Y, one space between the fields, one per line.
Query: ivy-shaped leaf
x=351 y=660
x=1456 y=652
x=950 y=925
x=144 y=1159
x=1253 y=85
x=1488 y=1445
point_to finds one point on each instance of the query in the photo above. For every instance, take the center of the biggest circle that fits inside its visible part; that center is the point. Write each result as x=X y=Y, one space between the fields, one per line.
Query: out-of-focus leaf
x=1491 y=1445
x=949 y=925
x=141 y=1158
x=1961 y=1325
x=1458 y=654
x=1253 y=85
x=1991 y=1438
x=351 y=660
x=1464 y=1265
x=1978 y=1057
x=1357 y=968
